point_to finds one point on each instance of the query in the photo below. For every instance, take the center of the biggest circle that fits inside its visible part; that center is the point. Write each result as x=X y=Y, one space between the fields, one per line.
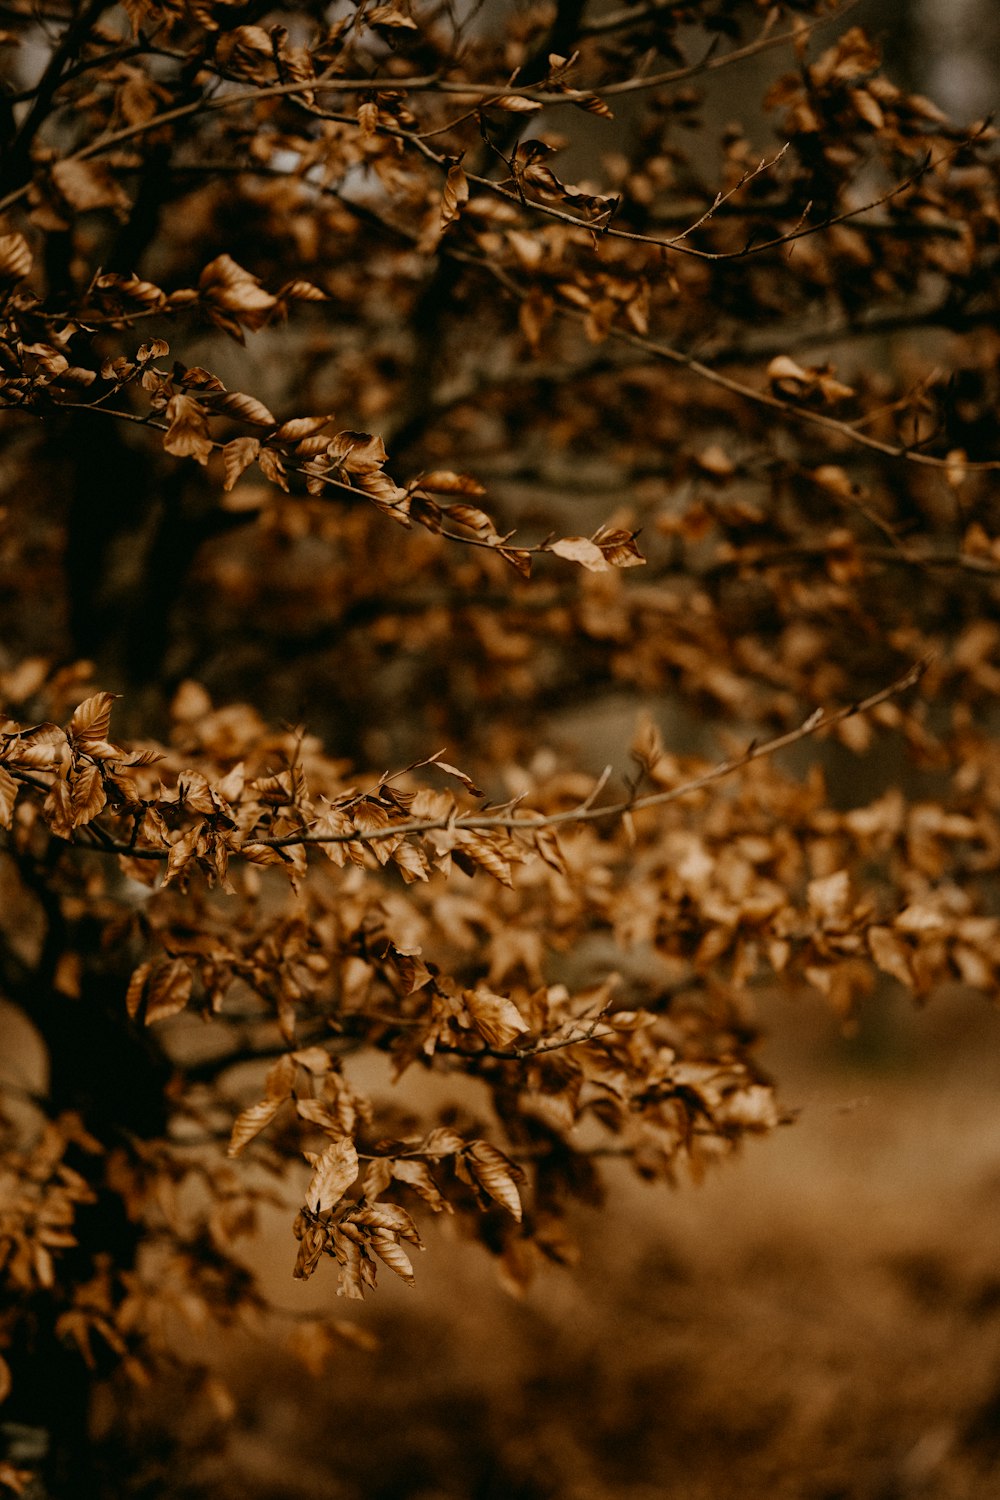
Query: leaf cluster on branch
x=698 y=419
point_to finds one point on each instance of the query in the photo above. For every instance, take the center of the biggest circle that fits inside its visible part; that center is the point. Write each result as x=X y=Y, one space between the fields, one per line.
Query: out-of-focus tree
x=723 y=439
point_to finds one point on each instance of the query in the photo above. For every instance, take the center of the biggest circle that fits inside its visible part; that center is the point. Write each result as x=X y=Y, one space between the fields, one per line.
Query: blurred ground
x=819 y=1320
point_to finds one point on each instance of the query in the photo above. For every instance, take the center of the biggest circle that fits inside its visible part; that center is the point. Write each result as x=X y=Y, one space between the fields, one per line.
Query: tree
x=711 y=424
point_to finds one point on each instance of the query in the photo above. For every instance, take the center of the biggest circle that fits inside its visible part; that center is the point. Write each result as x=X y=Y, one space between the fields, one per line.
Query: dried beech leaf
x=314 y=1059
x=483 y=850
x=8 y=796
x=467 y=782
x=187 y=435
x=87 y=796
x=495 y=1174
x=455 y=196
x=136 y=988
x=92 y=719
x=299 y=428
x=389 y=1218
x=416 y=1175
x=891 y=953
x=411 y=861
x=334 y=1170
x=497 y=1019
x=471 y=516
x=446 y=482
x=619 y=548
x=829 y=897
x=388 y=18
x=168 y=990
x=238 y=455
x=88 y=185
x=580 y=549
x=514 y=104
x=226 y=285
x=250 y=1122
x=15 y=257
x=395 y=1257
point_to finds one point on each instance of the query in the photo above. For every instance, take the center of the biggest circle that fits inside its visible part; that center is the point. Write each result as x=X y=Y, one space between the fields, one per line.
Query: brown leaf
x=416 y=1175
x=92 y=718
x=300 y=427
x=497 y=1019
x=455 y=196
x=519 y=560
x=87 y=185
x=168 y=990
x=238 y=455
x=411 y=861
x=358 y=452
x=251 y=1122
x=788 y=376
x=495 y=1174
x=15 y=257
x=315 y=1060
x=471 y=516
x=389 y=1218
x=226 y=285
x=137 y=988
x=182 y=852
x=334 y=1170
x=87 y=795
x=483 y=850
x=394 y=1256
x=592 y=104
x=619 y=548
x=829 y=897
x=8 y=796
x=514 y=104
x=246 y=408
x=467 y=782
x=891 y=953
x=299 y=290
x=272 y=468
x=411 y=969
x=389 y=18
x=447 y=482
x=187 y=435
x=580 y=549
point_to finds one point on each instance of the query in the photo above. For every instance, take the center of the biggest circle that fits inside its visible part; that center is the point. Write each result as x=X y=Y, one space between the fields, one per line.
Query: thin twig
x=427 y=84
x=657 y=350
x=99 y=839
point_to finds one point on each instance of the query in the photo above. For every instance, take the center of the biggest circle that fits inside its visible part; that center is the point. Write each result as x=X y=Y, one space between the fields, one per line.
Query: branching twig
x=657 y=350
x=97 y=838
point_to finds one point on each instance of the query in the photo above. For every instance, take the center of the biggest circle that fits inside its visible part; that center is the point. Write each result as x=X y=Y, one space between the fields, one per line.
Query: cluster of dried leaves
x=691 y=374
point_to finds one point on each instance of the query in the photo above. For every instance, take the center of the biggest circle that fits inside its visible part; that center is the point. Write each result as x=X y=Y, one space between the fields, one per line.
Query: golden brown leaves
x=39 y=1198
x=158 y=991
x=233 y=298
